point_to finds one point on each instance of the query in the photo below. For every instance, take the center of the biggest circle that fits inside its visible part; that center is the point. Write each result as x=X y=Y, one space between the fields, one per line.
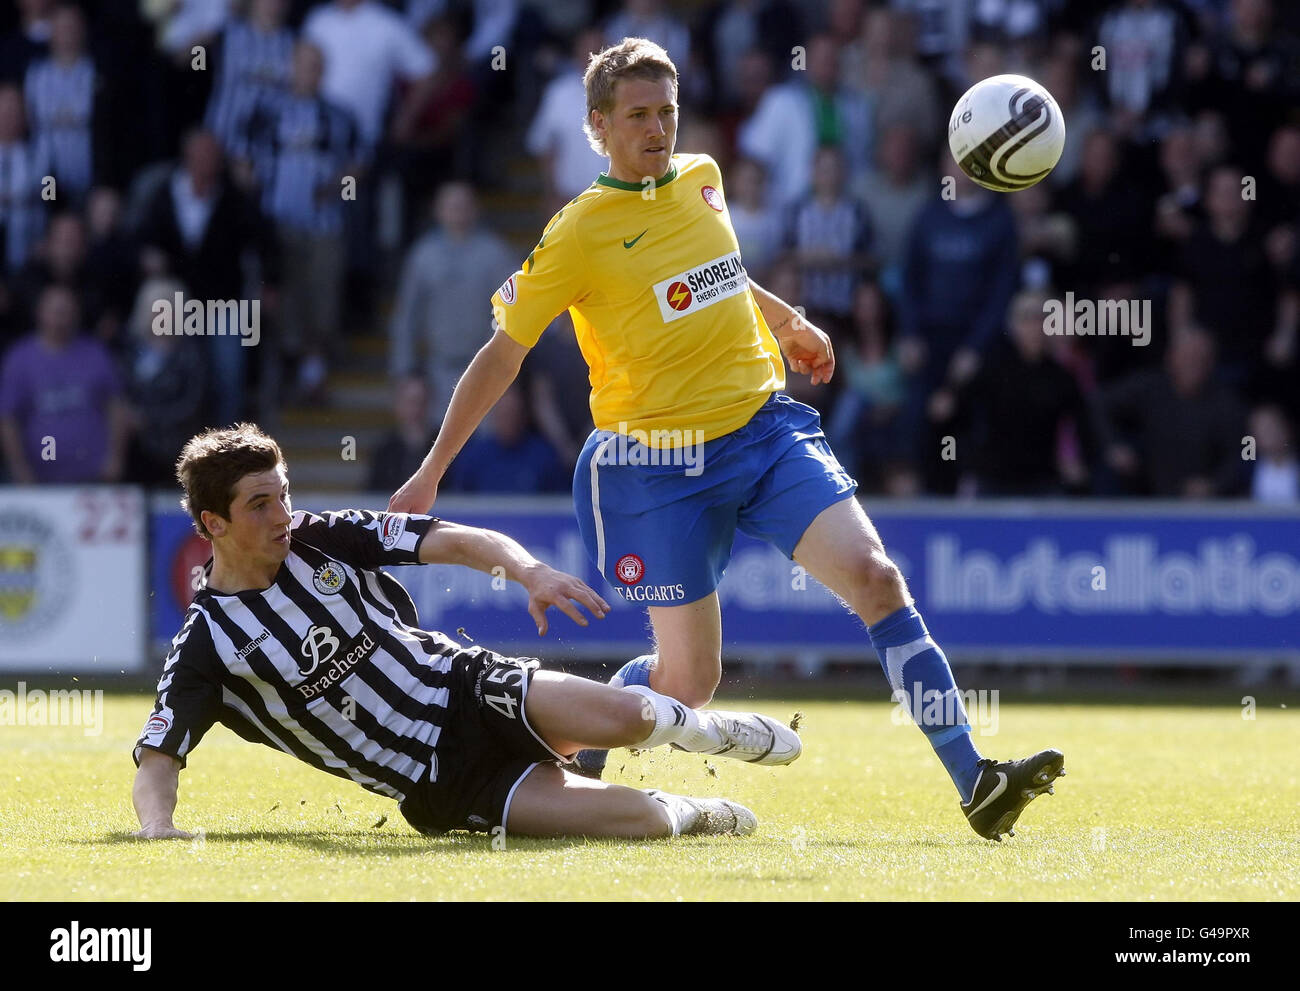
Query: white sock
x=675 y=722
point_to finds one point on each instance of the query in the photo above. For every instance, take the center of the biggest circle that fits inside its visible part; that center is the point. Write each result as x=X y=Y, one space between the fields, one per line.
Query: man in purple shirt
x=62 y=418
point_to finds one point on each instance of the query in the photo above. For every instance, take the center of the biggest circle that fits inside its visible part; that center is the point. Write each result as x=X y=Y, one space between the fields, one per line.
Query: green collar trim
x=605 y=179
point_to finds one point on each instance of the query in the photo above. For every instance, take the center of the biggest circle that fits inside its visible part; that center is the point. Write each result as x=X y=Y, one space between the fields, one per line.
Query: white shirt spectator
x=366 y=49
x=557 y=130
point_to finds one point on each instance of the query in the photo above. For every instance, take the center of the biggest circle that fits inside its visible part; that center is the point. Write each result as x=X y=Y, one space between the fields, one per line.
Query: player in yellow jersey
x=694 y=438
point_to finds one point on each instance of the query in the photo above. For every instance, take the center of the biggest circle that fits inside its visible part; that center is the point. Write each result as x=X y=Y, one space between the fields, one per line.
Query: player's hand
x=161 y=831
x=548 y=587
x=416 y=495
x=808 y=350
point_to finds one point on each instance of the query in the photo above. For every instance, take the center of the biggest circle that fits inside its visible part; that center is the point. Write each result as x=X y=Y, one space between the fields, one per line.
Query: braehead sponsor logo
x=333 y=662
x=699 y=287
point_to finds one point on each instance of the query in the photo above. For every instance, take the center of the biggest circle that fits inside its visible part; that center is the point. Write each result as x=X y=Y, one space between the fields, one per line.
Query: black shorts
x=486 y=747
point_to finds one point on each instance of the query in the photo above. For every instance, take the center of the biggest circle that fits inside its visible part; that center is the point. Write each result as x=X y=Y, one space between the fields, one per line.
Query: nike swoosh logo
x=998 y=789
x=628 y=244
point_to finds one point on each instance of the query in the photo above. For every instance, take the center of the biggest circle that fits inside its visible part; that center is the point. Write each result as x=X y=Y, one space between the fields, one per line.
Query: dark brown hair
x=212 y=463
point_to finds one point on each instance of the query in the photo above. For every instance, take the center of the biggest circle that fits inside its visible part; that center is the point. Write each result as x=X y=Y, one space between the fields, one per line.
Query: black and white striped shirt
x=300 y=146
x=327 y=664
x=252 y=64
x=61 y=112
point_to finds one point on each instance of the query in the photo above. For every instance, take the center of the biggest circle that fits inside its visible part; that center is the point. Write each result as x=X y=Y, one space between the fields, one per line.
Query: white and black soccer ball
x=1006 y=133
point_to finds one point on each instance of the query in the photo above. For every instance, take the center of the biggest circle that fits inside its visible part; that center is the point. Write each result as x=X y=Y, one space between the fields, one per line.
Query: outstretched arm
x=154 y=796
x=488 y=551
x=807 y=348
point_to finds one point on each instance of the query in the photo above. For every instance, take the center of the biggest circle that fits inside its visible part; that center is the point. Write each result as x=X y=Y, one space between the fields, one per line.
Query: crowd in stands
x=332 y=160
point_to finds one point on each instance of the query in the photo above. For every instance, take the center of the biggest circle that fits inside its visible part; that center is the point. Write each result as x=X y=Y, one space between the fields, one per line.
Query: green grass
x=1181 y=803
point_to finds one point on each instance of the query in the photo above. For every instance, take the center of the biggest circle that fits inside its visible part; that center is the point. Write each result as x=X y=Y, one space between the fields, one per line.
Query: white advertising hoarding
x=72 y=579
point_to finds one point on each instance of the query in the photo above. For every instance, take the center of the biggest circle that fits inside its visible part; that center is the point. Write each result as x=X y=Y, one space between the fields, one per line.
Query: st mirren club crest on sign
x=629 y=569
x=328 y=578
x=36 y=574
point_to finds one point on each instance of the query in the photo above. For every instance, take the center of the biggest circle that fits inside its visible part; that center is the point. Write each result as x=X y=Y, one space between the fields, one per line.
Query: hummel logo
x=679 y=717
x=998 y=789
x=628 y=244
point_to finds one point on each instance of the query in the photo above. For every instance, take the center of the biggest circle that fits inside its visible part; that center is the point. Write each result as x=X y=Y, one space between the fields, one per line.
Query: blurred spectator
x=1175 y=431
x=443 y=304
x=507 y=456
x=1143 y=40
x=830 y=236
x=253 y=59
x=62 y=418
x=734 y=33
x=1079 y=109
x=304 y=145
x=28 y=42
x=1249 y=74
x=1047 y=238
x=1179 y=208
x=941 y=30
x=112 y=264
x=569 y=165
x=59 y=258
x=961 y=268
x=23 y=168
x=1225 y=264
x=758 y=227
x=432 y=142
x=863 y=427
x=367 y=49
x=404 y=447
x=1280 y=184
x=1110 y=214
x=1022 y=405
x=881 y=63
x=1276 y=476
x=165 y=385
x=894 y=191
x=794 y=119
x=63 y=93
x=648 y=19
x=198 y=228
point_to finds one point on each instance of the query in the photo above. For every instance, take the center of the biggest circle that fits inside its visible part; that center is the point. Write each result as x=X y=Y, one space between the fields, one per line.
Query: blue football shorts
x=659 y=523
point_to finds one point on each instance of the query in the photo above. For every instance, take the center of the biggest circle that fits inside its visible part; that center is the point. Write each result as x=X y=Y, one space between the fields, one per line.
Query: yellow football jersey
x=652 y=276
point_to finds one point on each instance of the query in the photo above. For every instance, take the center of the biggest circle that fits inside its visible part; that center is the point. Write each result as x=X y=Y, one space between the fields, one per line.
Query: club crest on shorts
x=328 y=578
x=629 y=569
x=712 y=197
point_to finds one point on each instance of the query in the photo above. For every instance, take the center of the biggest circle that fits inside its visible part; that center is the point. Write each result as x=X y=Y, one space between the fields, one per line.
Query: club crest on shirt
x=712 y=197
x=629 y=569
x=328 y=578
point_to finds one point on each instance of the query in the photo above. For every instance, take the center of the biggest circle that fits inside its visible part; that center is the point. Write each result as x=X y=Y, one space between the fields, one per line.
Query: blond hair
x=631 y=58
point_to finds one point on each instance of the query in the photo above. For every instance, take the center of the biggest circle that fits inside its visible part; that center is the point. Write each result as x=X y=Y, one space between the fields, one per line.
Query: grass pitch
x=1160 y=802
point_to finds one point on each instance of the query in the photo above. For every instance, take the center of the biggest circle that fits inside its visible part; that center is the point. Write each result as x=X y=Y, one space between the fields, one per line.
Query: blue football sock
x=635 y=672
x=919 y=674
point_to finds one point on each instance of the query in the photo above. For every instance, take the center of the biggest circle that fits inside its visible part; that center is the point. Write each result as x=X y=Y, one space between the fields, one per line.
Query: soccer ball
x=1006 y=133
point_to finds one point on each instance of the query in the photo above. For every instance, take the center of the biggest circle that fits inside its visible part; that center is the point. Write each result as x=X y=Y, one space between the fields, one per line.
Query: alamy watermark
x=1098 y=318
x=673 y=448
x=76 y=707
x=181 y=317
x=931 y=707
